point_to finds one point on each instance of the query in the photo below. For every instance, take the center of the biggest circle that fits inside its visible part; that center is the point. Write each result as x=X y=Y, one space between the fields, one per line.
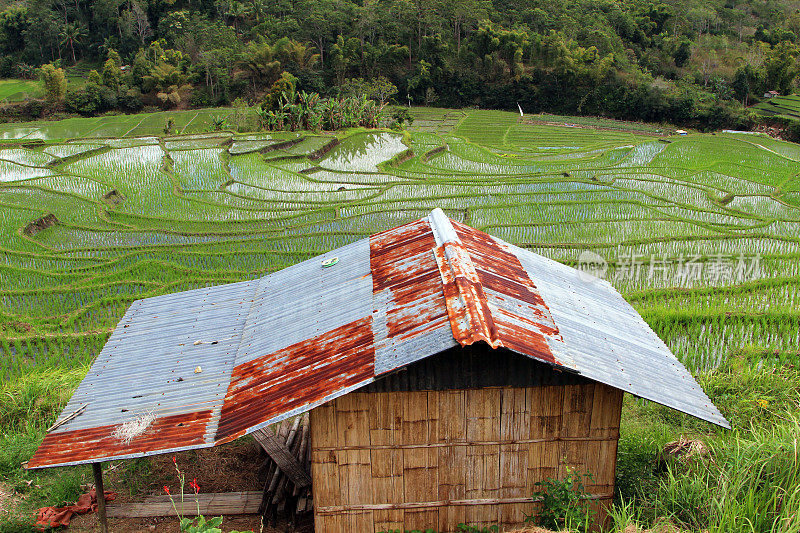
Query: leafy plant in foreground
x=563 y=503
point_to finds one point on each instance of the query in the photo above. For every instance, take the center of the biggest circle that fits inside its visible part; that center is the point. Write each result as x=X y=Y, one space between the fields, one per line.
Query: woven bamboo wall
x=433 y=459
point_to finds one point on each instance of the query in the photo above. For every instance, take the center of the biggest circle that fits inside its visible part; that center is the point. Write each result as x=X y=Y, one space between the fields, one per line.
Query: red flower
x=195 y=486
x=166 y=489
x=174 y=460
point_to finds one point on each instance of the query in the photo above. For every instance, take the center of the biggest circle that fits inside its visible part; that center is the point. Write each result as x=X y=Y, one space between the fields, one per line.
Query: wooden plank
x=352 y=413
x=607 y=463
x=390 y=486
x=424 y=505
x=415 y=425
x=323 y=426
x=513 y=470
x=324 y=466
x=452 y=485
x=451 y=406
x=577 y=416
x=97 y=470
x=452 y=420
x=387 y=486
x=514 y=424
x=606 y=412
x=483 y=463
x=420 y=519
x=512 y=515
x=282 y=456
x=463 y=443
x=543 y=462
x=546 y=408
x=213 y=504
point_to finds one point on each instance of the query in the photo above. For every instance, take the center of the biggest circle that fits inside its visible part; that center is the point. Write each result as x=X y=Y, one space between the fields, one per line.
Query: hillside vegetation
x=682 y=61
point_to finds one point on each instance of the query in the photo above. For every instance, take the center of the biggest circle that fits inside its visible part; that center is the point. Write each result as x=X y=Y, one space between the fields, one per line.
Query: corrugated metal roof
x=277 y=346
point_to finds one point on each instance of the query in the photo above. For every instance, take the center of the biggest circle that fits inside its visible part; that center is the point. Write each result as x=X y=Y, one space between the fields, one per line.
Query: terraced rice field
x=700 y=232
x=783 y=106
x=110 y=126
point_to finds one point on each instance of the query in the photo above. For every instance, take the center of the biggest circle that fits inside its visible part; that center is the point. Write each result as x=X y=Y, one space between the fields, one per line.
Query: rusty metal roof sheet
x=203 y=367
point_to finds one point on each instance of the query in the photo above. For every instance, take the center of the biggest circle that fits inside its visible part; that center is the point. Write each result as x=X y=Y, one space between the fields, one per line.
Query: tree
x=112 y=71
x=381 y=89
x=134 y=23
x=779 y=67
x=682 y=53
x=42 y=36
x=492 y=43
x=296 y=55
x=54 y=83
x=421 y=79
x=282 y=90
x=13 y=23
x=344 y=57
x=260 y=62
x=745 y=81
x=72 y=33
x=94 y=77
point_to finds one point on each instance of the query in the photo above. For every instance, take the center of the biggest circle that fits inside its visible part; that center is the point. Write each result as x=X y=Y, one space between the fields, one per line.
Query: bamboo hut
x=446 y=372
x=460 y=437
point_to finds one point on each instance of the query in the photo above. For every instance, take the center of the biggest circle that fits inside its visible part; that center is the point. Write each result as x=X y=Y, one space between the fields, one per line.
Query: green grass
x=204 y=208
x=748 y=480
x=15 y=90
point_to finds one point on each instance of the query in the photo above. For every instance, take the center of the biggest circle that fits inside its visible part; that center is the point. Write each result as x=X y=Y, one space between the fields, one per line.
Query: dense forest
x=682 y=61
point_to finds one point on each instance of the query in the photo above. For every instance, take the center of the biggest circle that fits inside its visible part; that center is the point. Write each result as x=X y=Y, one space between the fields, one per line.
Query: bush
x=401 y=116
x=90 y=100
x=202 y=98
x=130 y=100
x=174 y=99
x=168 y=100
x=564 y=503
x=27 y=109
x=284 y=89
x=8 y=66
x=636 y=473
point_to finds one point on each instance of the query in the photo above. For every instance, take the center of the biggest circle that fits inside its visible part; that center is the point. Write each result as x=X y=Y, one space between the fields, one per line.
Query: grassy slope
x=198 y=215
x=15 y=90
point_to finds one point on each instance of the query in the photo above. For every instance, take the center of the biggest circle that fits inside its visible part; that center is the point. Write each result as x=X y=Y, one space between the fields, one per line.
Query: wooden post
x=97 y=469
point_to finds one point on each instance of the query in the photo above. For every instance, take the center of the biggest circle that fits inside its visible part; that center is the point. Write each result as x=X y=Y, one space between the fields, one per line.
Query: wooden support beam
x=97 y=470
x=213 y=504
x=283 y=457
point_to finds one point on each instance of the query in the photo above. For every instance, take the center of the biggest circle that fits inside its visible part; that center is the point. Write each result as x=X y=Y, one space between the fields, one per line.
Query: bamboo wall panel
x=385 y=461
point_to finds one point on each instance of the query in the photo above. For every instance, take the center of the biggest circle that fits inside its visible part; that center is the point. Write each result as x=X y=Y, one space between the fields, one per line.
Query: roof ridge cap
x=467 y=306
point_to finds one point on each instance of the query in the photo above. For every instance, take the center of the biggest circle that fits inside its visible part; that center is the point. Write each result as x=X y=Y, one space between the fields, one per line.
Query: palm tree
x=237 y=11
x=298 y=53
x=261 y=64
x=73 y=33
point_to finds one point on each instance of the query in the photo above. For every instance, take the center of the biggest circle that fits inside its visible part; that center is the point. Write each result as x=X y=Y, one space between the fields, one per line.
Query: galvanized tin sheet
x=410 y=315
x=209 y=365
x=611 y=343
